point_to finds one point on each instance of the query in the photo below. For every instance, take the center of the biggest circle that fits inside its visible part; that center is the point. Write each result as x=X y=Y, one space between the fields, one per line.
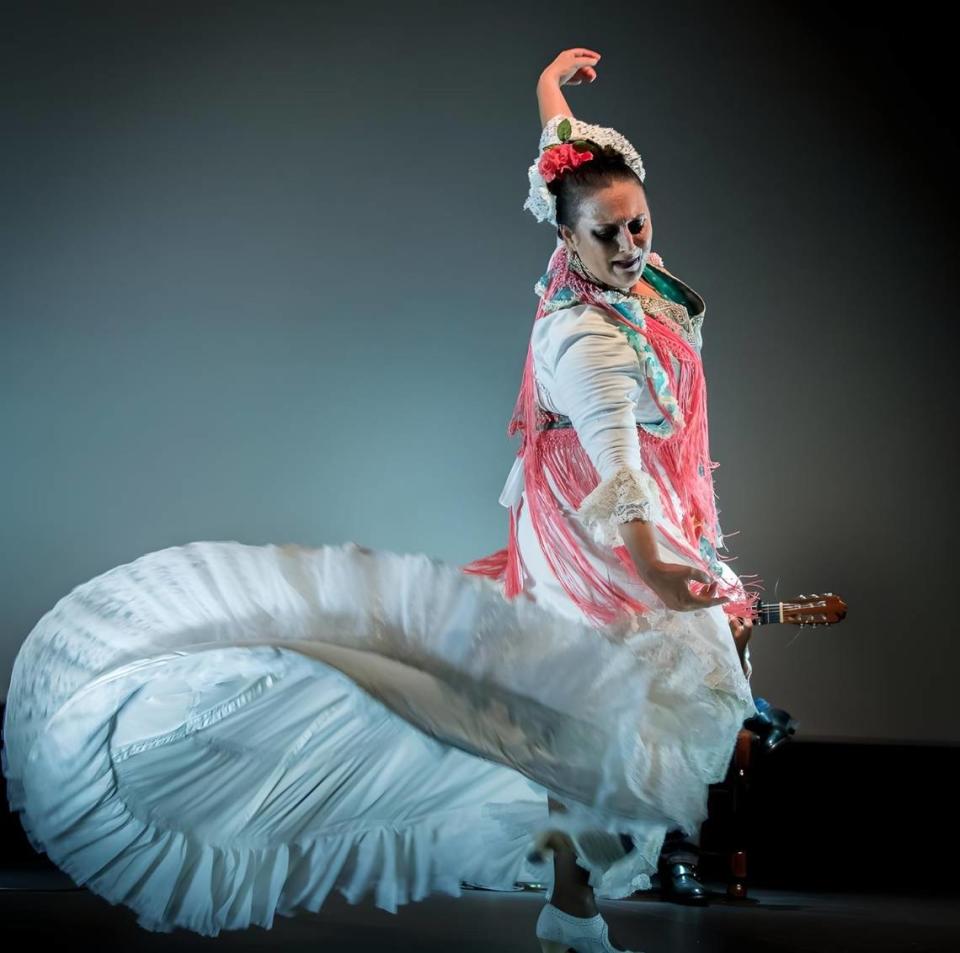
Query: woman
x=602 y=520
x=216 y=733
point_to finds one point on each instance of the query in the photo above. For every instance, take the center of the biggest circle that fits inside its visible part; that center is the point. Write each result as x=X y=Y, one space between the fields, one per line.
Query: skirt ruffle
x=217 y=733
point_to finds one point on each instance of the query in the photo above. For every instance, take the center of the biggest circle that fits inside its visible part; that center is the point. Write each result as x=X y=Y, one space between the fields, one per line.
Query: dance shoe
x=679 y=884
x=560 y=932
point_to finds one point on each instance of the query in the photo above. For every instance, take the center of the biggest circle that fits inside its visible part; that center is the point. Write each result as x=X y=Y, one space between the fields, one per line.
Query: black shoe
x=679 y=884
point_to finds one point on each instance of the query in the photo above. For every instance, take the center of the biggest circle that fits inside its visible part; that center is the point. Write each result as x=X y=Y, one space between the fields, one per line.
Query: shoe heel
x=553 y=946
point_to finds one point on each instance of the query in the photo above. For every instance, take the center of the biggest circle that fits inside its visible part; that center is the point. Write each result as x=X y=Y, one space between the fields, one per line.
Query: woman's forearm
x=638 y=536
x=550 y=99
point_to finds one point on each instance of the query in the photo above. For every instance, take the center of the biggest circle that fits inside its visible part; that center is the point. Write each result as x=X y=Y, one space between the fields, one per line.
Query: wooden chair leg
x=739 y=794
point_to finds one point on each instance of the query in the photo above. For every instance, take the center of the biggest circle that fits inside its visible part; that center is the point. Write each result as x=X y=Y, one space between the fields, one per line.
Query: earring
x=576 y=262
x=577 y=265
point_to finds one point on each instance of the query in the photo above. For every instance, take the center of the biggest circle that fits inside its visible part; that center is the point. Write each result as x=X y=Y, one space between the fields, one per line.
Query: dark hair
x=572 y=186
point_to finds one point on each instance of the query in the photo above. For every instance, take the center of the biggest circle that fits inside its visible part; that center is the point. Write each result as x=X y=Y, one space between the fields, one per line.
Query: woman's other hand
x=572 y=67
x=670 y=581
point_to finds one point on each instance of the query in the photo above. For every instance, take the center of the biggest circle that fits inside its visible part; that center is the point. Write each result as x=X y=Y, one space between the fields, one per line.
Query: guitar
x=812 y=611
x=815 y=610
x=773 y=726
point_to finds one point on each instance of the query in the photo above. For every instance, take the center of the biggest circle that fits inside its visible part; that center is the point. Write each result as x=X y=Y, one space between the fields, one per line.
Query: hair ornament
x=563 y=146
x=557 y=157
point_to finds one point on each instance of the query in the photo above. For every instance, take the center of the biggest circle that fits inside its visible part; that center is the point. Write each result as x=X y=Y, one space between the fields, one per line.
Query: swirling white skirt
x=217 y=733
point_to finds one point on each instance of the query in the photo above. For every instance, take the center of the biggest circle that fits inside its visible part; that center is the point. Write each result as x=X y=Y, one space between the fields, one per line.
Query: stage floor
x=40 y=907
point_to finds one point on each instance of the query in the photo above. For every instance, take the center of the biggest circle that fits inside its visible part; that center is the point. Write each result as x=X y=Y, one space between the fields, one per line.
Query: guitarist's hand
x=741 y=629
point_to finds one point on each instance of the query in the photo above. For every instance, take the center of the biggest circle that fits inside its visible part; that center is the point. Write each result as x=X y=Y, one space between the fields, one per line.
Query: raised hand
x=573 y=67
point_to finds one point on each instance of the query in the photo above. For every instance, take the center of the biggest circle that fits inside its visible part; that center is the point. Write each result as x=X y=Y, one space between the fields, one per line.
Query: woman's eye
x=635 y=226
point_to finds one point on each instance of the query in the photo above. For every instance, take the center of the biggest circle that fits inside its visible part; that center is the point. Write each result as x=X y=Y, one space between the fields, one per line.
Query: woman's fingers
x=573 y=66
x=671 y=581
x=576 y=57
x=582 y=74
x=706 y=604
x=708 y=597
x=581 y=68
x=690 y=602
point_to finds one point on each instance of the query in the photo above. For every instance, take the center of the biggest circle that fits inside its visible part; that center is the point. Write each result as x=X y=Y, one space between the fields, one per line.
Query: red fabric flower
x=560 y=158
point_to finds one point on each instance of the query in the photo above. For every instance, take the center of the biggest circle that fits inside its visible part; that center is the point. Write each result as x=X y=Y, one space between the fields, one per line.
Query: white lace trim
x=626 y=495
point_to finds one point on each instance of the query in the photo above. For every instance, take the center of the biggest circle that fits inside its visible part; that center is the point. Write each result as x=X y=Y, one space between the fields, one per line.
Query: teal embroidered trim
x=631 y=307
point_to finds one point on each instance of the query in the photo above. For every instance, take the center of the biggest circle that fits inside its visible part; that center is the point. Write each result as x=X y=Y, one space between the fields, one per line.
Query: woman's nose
x=625 y=239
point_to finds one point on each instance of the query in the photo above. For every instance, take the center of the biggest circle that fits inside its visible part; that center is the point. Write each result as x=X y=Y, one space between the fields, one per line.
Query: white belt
x=513 y=488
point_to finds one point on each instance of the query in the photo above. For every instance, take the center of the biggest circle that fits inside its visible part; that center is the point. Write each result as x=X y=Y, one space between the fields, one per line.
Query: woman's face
x=614 y=229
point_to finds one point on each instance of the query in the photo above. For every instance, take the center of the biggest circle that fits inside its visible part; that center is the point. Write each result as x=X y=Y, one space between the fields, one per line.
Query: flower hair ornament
x=563 y=146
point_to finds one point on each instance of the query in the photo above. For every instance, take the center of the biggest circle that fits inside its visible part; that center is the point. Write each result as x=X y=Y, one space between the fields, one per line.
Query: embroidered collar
x=636 y=307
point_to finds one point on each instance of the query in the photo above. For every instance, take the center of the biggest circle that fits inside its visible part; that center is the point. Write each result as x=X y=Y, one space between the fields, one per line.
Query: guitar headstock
x=826 y=609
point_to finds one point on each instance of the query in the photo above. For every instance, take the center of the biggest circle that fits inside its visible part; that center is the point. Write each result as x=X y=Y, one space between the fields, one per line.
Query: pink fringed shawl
x=679 y=445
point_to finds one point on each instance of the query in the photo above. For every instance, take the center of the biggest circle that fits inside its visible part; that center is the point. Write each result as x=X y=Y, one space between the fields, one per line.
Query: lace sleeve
x=628 y=494
x=596 y=379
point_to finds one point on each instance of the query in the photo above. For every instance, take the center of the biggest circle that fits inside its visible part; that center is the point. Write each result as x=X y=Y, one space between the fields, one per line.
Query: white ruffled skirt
x=217 y=733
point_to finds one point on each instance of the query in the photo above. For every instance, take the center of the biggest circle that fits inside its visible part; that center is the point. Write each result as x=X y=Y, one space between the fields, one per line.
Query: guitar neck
x=768 y=613
x=804 y=610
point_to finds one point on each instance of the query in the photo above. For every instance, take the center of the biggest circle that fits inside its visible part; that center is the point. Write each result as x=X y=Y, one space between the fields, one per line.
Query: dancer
x=216 y=733
x=612 y=483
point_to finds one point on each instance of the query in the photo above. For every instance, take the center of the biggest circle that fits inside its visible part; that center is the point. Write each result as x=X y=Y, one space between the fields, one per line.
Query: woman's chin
x=624 y=280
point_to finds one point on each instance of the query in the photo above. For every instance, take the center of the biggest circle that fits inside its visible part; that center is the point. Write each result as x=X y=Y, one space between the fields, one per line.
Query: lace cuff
x=626 y=495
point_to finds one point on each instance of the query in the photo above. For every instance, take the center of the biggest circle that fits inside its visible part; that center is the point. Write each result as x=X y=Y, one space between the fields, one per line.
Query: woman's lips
x=628 y=266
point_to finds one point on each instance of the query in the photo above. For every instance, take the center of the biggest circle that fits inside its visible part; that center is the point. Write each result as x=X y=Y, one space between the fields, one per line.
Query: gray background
x=265 y=276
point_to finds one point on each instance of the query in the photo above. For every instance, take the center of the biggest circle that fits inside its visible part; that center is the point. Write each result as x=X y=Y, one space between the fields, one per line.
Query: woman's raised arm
x=570 y=68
